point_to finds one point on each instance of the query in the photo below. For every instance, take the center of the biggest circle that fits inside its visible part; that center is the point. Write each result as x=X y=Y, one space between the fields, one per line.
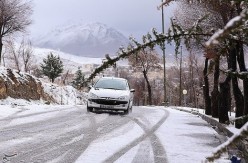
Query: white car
x=110 y=93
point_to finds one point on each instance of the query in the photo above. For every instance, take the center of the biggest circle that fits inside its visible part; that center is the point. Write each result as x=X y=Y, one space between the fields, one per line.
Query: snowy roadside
x=234 y=147
x=188 y=138
x=20 y=86
x=230 y=127
x=65 y=95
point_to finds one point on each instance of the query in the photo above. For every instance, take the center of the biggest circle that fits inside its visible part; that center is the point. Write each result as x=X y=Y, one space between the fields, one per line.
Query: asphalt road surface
x=70 y=134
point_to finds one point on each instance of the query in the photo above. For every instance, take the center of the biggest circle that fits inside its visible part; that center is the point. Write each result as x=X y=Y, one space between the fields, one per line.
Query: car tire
x=126 y=111
x=129 y=110
x=89 y=109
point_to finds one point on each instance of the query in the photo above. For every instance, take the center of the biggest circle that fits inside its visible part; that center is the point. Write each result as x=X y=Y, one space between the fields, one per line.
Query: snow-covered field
x=71 y=62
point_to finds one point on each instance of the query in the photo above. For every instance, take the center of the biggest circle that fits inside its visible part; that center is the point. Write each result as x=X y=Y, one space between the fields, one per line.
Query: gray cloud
x=131 y=17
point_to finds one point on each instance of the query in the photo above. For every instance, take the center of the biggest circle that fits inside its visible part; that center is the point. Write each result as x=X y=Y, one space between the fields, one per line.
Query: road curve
x=65 y=134
x=158 y=149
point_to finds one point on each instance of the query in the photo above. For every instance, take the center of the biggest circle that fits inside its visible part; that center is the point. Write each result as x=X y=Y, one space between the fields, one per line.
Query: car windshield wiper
x=111 y=88
x=114 y=88
x=97 y=88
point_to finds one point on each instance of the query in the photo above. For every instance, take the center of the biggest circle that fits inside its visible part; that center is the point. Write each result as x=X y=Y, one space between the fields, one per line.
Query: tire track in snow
x=56 y=146
x=39 y=149
x=158 y=150
x=5 y=121
x=42 y=149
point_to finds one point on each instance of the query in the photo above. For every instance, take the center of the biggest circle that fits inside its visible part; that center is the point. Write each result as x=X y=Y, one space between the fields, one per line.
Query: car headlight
x=123 y=98
x=92 y=96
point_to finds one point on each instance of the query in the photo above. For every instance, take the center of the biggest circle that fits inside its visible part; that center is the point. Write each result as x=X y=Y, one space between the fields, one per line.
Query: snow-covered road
x=68 y=134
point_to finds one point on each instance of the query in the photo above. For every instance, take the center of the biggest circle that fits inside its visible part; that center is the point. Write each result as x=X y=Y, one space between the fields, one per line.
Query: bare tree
x=14 y=18
x=218 y=13
x=139 y=85
x=194 y=78
x=14 y=55
x=20 y=55
x=145 y=60
x=26 y=51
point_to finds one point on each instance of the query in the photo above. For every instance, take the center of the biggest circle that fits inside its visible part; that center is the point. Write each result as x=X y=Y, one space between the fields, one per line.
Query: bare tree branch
x=14 y=18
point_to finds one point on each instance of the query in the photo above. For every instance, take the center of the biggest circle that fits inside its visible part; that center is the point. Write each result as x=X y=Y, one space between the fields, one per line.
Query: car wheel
x=126 y=111
x=129 y=110
x=89 y=109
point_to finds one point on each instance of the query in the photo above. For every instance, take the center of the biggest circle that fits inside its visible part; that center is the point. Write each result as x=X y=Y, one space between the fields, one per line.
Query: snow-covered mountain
x=88 y=40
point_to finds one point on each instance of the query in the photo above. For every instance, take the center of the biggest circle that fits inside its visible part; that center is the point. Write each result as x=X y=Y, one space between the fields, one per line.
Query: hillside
x=25 y=88
x=87 y=40
x=71 y=62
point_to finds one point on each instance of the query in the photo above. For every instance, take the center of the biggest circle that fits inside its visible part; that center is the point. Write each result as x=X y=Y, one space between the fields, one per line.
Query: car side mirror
x=132 y=90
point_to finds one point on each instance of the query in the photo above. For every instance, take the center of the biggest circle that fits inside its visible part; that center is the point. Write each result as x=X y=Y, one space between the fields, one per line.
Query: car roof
x=112 y=78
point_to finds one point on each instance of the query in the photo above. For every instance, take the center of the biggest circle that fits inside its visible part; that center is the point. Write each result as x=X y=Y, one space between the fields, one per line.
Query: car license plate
x=107 y=106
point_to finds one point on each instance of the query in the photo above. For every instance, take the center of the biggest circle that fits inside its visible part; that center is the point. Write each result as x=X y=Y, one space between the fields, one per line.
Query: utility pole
x=163 y=48
x=180 y=79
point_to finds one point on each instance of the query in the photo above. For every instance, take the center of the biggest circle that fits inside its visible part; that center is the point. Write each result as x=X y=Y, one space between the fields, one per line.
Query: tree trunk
x=238 y=97
x=245 y=85
x=66 y=75
x=225 y=101
x=148 y=88
x=225 y=96
x=193 y=86
x=239 y=101
x=242 y=67
x=1 y=48
x=206 y=89
x=215 y=92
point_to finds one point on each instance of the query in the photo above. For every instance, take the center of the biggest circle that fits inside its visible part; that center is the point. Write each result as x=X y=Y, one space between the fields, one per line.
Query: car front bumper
x=107 y=104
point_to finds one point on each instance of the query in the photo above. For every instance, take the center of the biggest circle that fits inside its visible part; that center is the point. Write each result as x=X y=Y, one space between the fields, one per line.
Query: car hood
x=111 y=93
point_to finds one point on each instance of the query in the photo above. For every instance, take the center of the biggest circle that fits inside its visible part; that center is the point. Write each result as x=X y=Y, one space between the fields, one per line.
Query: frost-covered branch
x=175 y=34
x=239 y=118
x=165 y=3
x=233 y=141
x=235 y=23
x=241 y=75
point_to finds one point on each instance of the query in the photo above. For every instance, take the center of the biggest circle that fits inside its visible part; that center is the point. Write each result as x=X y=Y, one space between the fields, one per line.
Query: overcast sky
x=131 y=17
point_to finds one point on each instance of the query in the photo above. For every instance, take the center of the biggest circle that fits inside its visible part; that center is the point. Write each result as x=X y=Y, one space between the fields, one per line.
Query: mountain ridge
x=86 y=40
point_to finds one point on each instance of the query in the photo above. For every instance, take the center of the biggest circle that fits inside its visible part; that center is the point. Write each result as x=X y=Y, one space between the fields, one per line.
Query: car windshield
x=117 y=84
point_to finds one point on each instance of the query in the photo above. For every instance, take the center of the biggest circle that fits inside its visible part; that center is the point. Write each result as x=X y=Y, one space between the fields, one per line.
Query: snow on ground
x=230 y=127
x=66 y=95
x=13 y=102
x=10 y=110
x=70 y=61
x=121 y=138
x=42 y=52
x=185 y=137
x=111 y=143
